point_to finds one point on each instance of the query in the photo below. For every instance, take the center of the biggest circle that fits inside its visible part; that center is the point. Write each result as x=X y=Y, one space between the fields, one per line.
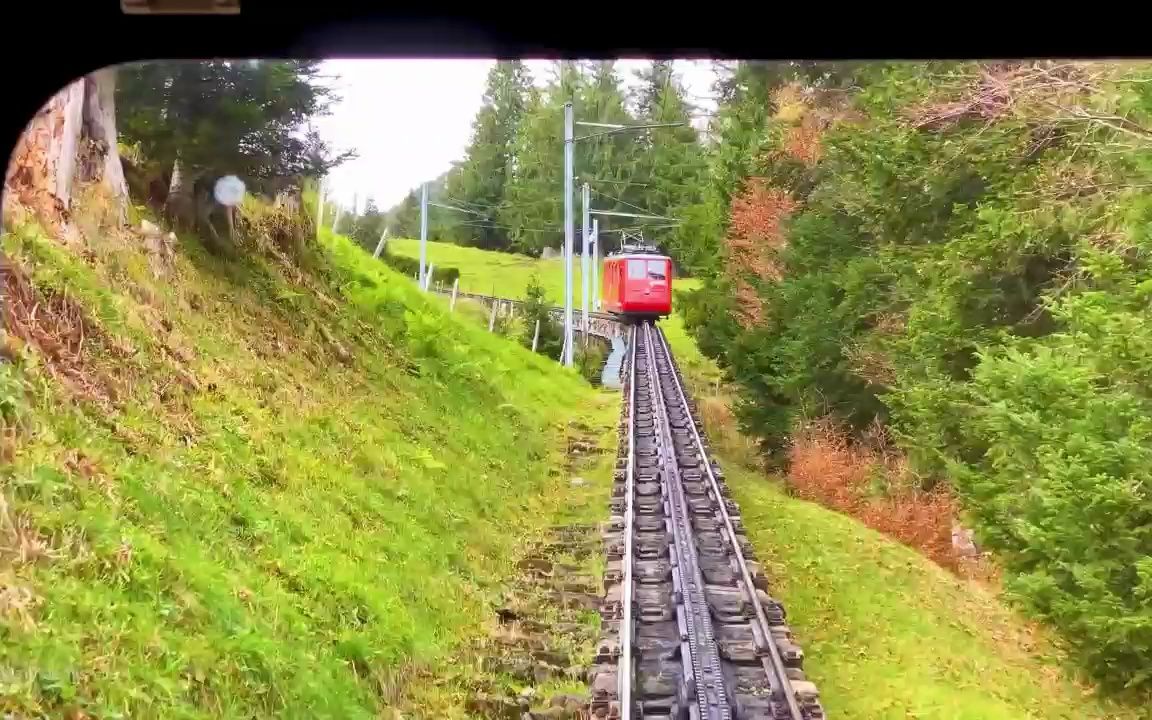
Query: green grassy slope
x=888 y=634
x=244 y=494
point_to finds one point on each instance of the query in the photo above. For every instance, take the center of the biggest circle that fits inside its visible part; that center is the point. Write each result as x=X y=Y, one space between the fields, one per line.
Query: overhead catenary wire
x=623 y=202
x=506 y=227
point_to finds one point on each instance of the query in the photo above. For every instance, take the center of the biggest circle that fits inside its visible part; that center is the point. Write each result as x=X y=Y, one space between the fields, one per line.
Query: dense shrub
x=953 y=252
x=537 y=308
x=411 y=267
x=1062 y=492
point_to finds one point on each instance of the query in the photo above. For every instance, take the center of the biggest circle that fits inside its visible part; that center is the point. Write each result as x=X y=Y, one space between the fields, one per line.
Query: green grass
x=332 y=501
x=444 y=695
x=887 y=634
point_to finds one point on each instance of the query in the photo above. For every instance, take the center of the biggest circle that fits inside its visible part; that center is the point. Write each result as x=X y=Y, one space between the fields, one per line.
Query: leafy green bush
x=974 y=276
x=537 y=308
x=411 y=266
x=1062 y=491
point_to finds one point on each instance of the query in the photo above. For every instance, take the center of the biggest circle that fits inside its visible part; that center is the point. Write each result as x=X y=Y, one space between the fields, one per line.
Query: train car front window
x=656 y=270
x=635 y=269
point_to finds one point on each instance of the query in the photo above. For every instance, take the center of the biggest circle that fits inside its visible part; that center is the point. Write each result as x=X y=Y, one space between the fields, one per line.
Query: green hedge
x=411 y=266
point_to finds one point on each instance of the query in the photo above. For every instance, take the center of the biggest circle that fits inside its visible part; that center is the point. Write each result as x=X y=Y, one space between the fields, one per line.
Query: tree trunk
x=100 y=155
x=72 y=139
x=39 y=175
x=180 y=205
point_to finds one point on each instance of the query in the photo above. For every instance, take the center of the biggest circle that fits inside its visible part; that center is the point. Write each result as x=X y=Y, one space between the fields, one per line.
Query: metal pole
x=596 y=264
x=380 y=245
x=428 y=277
x=455 y=285
x=569 y=170
x=423 y=230
x=536 y=335
x=584 y=262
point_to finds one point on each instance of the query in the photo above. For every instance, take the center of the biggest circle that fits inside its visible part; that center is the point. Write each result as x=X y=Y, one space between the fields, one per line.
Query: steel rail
x=624 y=667
x=774 y=663
x=711 y=695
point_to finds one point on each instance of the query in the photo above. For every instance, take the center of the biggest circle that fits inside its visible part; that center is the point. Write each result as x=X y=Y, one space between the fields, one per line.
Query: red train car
x=637 y=285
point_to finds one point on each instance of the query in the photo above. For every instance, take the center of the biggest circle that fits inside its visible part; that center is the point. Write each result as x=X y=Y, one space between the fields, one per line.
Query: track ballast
x=703 y=639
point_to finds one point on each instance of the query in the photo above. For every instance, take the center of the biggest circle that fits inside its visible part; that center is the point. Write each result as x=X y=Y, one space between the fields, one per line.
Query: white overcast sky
x=410 y=119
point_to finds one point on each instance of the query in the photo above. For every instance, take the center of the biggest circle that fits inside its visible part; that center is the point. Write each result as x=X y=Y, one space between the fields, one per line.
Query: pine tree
x=369 y=225
x=609 y=161
x=538 y=309
x=200 y=120
x=671 y=165
x=481 y=183
x=745 y=92
x=404 y=219
x=534 y=207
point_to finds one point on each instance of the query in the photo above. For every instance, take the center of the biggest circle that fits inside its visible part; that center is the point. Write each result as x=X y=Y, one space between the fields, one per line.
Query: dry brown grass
x=1043 y=93
x=17 y=602
x=719 y=420
x=825 y=467
x=62 y=333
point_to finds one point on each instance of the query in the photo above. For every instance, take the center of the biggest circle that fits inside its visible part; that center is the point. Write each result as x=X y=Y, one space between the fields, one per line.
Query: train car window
x=635 y=269
x=656 y=270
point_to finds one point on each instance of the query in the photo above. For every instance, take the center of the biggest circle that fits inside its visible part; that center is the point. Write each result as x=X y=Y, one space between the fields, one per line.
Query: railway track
x=689 y=629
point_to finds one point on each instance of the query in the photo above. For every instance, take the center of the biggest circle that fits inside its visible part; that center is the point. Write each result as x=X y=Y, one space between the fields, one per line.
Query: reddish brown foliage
x=1040 y=91
x=755 y=236
x=57 y=327
x=758 y=214
x=825 y=468
x=750 y=310
x=802 y=142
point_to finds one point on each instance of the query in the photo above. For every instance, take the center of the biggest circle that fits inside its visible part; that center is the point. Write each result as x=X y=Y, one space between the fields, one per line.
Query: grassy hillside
x=888 y=634
x=230 y=489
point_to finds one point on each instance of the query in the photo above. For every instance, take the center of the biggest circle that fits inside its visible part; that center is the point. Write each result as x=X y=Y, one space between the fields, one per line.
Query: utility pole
x=596 y=264
x=584 y=262
x=423 y=232
x=380 y=245
x=569 y=171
